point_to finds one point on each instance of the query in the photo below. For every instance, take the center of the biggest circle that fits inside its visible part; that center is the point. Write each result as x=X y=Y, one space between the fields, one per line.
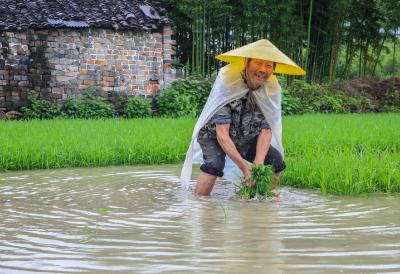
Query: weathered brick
x=70 y=74
x=101 y=62
x=108 y=79
x=167 y=31
x=107 y=89
x=82 y=71
x=58 y=72
x=42 y=32
x=62 y=78
x=88 y=82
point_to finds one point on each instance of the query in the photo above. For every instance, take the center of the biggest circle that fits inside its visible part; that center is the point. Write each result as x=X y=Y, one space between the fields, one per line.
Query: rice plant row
x=41 y=144
x=341 y=154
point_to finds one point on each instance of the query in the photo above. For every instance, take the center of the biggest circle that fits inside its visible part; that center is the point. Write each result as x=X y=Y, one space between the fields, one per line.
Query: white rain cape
x=230 y=86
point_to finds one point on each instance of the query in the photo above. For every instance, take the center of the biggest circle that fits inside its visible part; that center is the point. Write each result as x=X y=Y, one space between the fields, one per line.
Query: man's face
x=257 y=72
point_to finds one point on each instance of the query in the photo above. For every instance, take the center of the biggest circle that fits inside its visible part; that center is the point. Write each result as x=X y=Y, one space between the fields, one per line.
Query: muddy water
x=138 y=220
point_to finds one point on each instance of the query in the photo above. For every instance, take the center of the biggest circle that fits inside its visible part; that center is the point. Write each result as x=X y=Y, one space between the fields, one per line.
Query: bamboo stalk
x=309 y=33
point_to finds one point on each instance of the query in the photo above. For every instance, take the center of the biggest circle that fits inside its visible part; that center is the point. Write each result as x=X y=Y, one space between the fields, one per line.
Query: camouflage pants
x=214 y=156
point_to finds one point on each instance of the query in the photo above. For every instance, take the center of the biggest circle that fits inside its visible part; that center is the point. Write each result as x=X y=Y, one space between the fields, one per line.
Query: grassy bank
x=341 y=154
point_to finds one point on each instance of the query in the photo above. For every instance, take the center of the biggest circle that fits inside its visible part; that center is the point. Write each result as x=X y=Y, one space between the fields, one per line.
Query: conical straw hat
x=265 y=50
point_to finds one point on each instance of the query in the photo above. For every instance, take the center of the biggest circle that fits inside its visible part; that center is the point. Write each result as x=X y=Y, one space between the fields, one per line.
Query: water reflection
x=138 y=219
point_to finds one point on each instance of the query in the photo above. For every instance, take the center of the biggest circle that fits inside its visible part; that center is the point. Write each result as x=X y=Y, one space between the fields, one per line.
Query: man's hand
x=247 y=176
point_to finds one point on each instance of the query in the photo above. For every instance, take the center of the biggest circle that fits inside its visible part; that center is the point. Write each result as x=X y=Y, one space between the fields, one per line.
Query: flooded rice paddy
x=139 y=220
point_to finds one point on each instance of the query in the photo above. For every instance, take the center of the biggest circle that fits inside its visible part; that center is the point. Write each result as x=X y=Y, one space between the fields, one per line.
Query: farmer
x=242 y=117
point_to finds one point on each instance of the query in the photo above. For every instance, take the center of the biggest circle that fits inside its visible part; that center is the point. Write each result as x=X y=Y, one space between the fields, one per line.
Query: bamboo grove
x=331 y=38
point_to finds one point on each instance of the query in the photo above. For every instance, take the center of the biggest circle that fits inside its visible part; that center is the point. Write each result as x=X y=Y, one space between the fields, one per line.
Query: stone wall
x=61 y=62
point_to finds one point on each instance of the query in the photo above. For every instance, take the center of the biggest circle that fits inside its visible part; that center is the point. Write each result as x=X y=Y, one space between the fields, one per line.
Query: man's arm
x=227 y=145
x=263 y=143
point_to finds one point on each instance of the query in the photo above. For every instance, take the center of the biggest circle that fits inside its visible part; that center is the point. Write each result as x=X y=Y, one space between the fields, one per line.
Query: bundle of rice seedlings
x=262 y=176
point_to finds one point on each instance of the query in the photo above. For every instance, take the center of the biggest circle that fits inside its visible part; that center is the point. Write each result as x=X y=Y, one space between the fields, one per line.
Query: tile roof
x=116 y=14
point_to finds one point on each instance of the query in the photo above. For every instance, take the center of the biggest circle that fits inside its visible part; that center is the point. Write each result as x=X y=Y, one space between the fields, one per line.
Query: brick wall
x=63 y=62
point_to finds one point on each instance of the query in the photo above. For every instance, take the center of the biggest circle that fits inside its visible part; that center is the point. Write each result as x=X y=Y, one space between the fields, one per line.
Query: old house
x=63 y=47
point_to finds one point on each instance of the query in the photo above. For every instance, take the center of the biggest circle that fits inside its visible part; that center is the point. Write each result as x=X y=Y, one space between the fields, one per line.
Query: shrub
x=89 y=107
x=172 y=103
x=357 y=104
x=70 y=109
x=328 y=103
x=322 y=98
x=137 y=107
x=351 y=104
x=95 y=109
x=307 y=93
x=392 y=100
x=290 y=104
x=40 y=109
x=186 y=97
x=196 y=89
x=119 y=103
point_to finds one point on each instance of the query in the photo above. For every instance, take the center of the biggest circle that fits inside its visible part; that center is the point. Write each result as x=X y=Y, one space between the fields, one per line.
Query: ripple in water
x=138 y=219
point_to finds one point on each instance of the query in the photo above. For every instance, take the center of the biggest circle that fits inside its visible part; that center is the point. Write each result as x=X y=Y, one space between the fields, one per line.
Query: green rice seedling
x=39 y=144
x=226 y=213
x=102 y=210
x=262 y=176
x=343 y=154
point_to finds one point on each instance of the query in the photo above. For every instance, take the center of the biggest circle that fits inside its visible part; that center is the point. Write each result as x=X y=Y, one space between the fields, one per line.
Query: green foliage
x=328 y=38
x=119 y=103
x=171 y=103
x=137 y=107
x=95 y=109
x=186 y=97
x=303 y=97
x=198 y=90
x=309 y=94
x=328 y=103
x=392 y=100
x=90 y=107
x=39 y=109
x=291 y=104
x=262 y=176
x=70 y=109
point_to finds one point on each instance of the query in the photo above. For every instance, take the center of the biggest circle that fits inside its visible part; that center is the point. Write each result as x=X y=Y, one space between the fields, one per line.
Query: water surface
x=139 y=220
